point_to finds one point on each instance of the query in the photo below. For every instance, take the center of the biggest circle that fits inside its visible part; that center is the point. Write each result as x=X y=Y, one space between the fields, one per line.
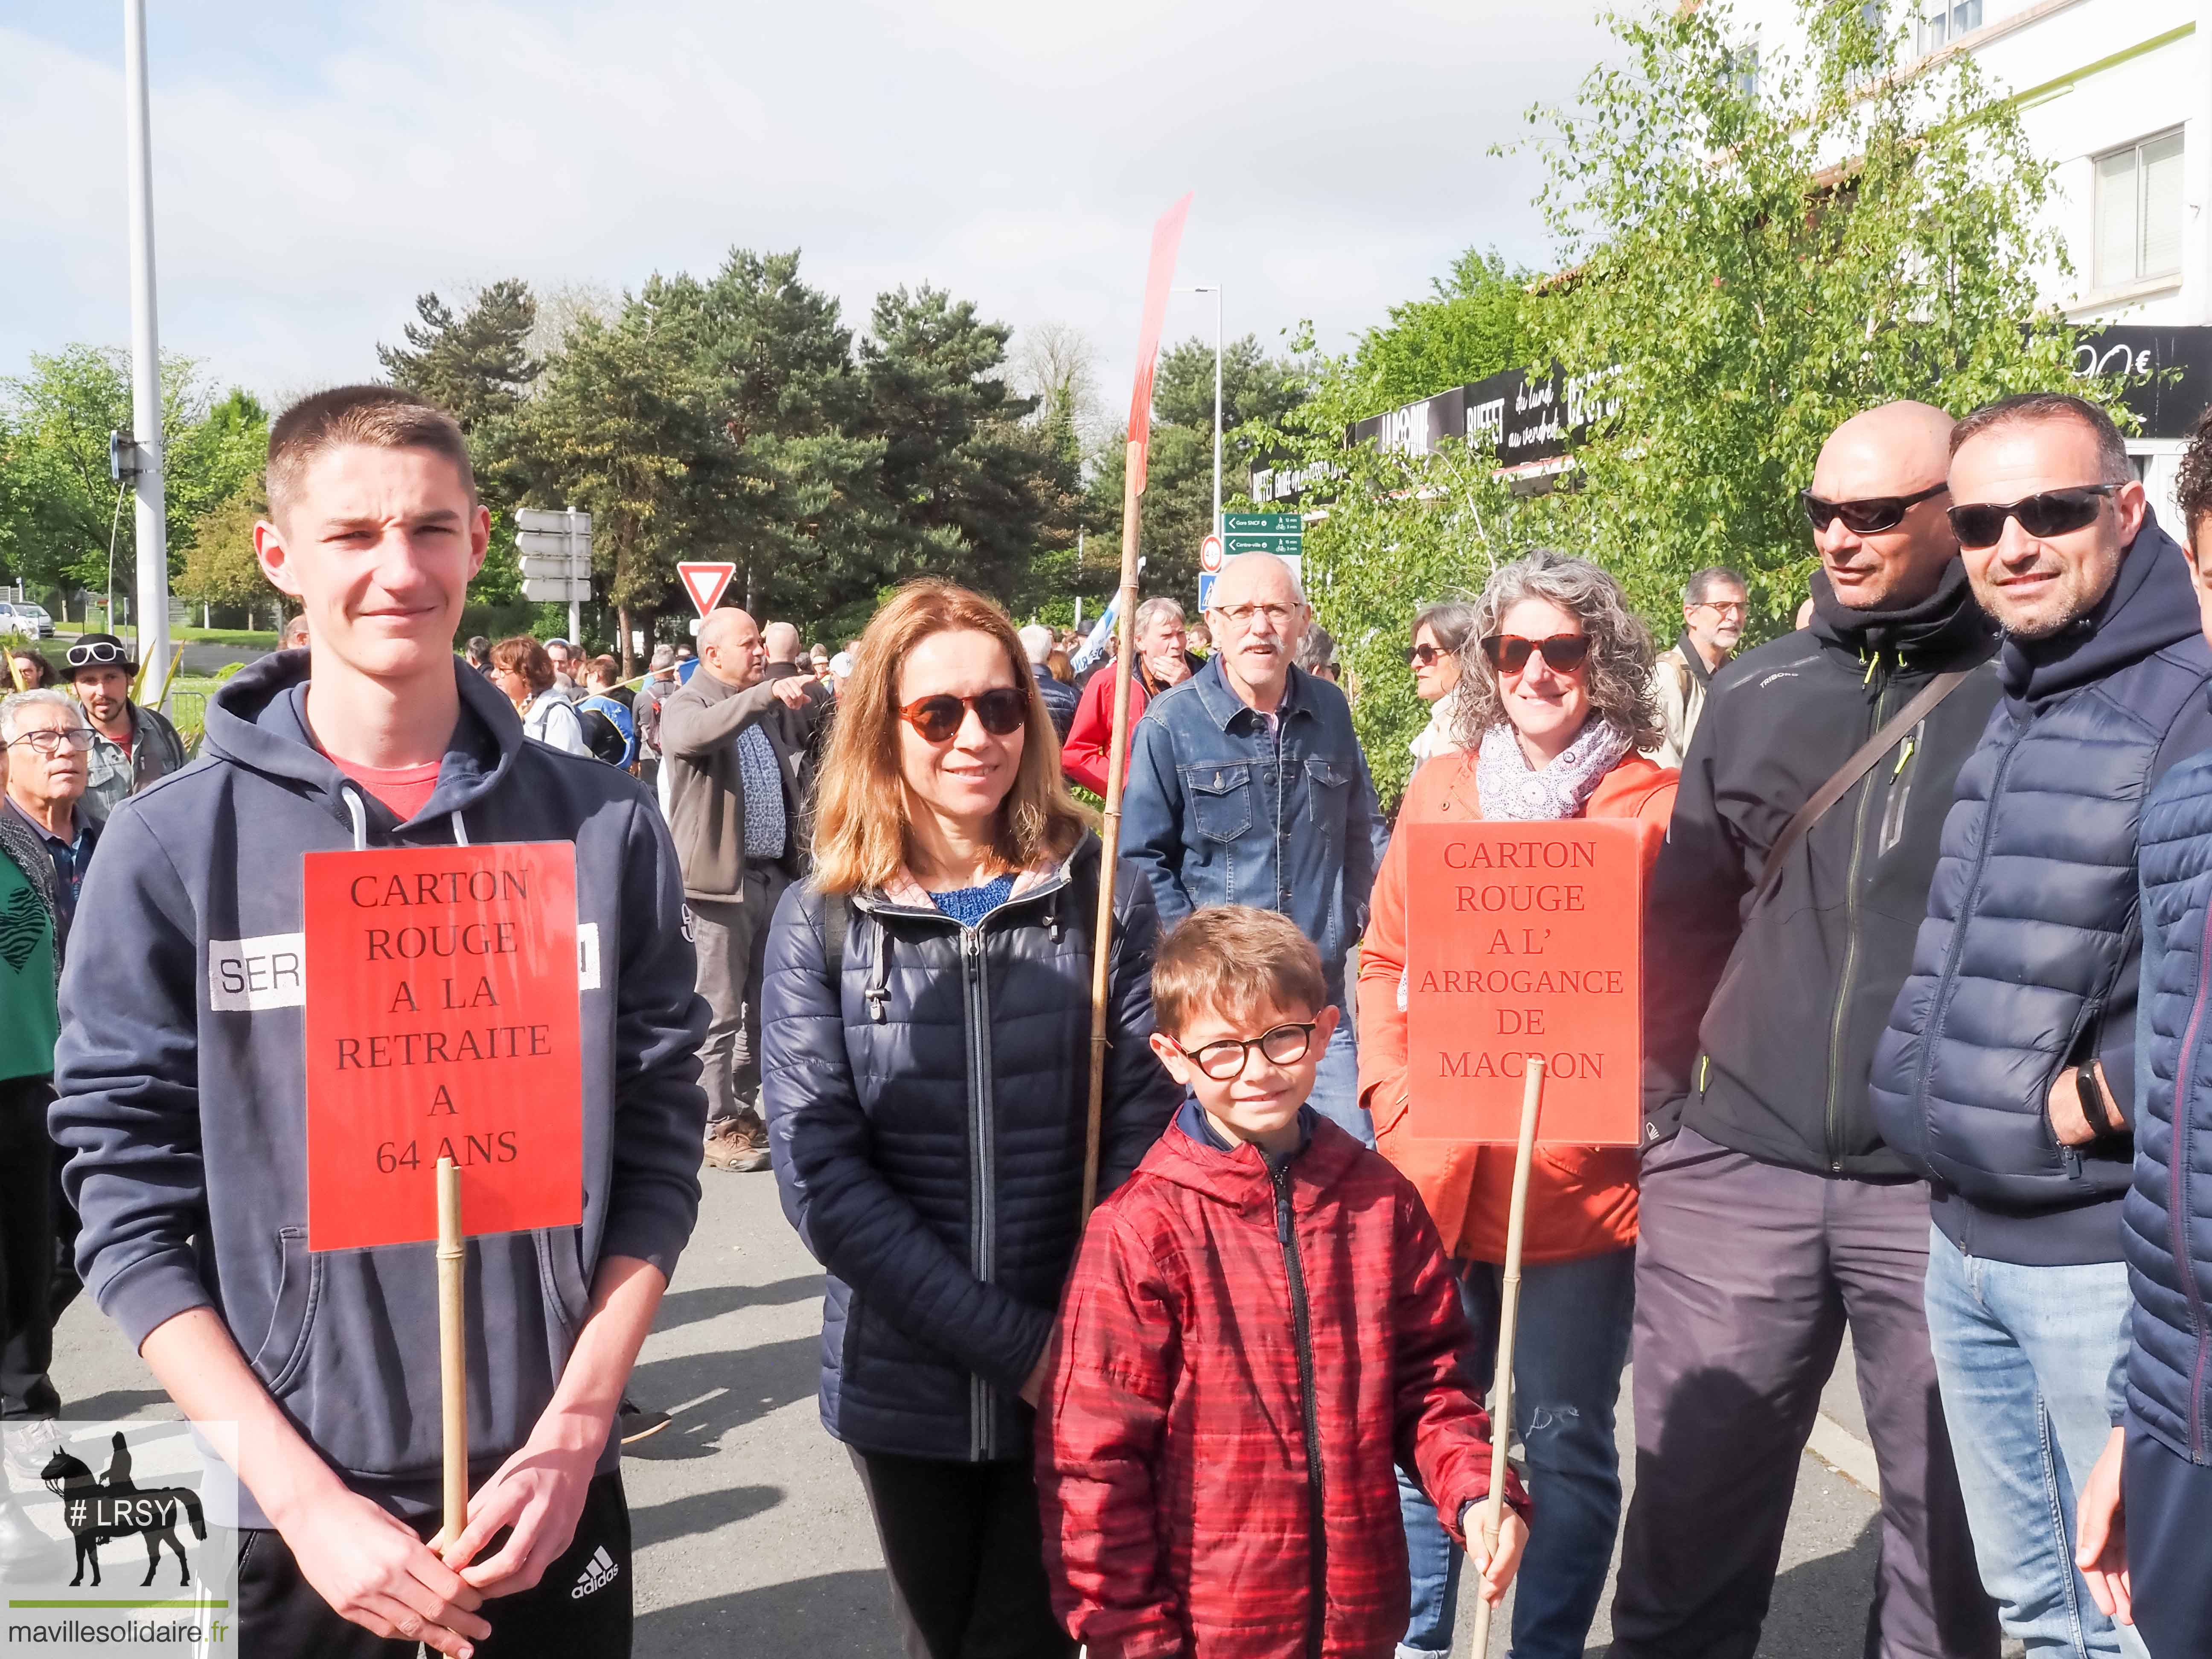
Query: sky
x=317 y=166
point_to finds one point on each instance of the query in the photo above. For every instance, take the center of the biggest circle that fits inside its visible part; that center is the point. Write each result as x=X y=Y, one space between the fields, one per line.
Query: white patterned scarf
x=1512 y=790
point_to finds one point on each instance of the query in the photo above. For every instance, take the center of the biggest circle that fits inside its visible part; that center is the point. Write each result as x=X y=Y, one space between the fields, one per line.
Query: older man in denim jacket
x=1247 y=787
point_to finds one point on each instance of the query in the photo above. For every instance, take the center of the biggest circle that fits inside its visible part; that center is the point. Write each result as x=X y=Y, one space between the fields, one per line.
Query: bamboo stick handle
x=1508 y=1321
x=453 y=1347
x=1117 y=760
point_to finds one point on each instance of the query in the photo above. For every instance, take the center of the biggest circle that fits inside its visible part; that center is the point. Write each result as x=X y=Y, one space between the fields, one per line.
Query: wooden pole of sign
x=1117 y=761
x=1509 y=1320
x=452 y=1346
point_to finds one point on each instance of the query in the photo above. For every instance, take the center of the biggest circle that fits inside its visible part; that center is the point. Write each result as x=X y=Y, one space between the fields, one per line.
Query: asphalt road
x=753 y=1538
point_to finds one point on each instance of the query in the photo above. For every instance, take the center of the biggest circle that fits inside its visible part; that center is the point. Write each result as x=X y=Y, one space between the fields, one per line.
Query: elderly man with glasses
x=1247 y=786
x=49 y=745
x=1773 y=1216
x=46 y=842
x=132 y=746
x=1714 y=604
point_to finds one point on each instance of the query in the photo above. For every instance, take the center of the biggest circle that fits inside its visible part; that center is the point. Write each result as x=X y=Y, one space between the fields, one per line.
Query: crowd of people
x=1923 y=1005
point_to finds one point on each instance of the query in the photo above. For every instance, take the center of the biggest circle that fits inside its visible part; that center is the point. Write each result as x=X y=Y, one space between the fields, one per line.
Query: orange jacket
x=1582 y=1199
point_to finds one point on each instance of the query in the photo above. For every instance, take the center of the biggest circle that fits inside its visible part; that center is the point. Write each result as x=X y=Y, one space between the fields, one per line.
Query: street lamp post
x=1214 y=288
x=153 y=597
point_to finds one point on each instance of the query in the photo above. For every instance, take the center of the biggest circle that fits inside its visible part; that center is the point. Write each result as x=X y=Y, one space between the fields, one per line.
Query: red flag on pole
x=1167 y=240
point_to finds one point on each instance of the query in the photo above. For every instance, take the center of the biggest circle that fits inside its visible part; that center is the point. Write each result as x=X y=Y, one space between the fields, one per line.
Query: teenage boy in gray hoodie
x=183 y=1100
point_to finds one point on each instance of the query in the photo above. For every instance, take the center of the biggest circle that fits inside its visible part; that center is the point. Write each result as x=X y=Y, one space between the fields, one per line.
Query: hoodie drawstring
x=460 y=829
x=360 y=817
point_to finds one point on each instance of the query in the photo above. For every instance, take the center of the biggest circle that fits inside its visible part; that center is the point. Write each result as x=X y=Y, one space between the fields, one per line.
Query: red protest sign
x=442 y=1020
x=705 y=580
x=1526 y=939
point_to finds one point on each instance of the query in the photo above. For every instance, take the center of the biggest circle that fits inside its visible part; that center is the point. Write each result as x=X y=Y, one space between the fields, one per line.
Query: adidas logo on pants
x=598 y=1573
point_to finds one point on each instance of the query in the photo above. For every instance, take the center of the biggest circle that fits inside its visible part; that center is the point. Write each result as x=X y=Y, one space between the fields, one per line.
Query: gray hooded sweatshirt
x=181 y=1099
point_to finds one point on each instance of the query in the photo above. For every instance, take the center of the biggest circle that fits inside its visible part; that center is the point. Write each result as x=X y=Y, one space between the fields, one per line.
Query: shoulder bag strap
x=1850 y=773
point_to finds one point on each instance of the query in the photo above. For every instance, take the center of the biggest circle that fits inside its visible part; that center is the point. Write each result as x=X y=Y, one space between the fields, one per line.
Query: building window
x=1942 y=24
x=2138 y=210
x=1741 y=71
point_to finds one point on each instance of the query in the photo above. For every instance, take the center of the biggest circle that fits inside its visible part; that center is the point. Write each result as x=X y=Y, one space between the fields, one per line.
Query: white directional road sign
x=1282 y=534
x=556 y=554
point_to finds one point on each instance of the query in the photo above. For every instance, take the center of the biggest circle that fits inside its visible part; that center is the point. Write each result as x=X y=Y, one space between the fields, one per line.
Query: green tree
x=478 y=366
x=1469 y=327
x=475 y=365
x=1259 y=394
x=59 y=505
x=968 y=487
x=219 y=566
x=795 y=481
x=619 y=429
x=1754 y=258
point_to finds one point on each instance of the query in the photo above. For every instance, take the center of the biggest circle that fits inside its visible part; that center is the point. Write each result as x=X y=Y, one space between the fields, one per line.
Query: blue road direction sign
x=1282 y=534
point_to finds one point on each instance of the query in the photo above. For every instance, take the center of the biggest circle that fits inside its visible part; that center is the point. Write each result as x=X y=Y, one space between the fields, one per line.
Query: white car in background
x=21 y=620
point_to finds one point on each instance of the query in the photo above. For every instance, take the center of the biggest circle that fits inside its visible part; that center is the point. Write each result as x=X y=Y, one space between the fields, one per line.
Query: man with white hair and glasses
x=49 y=744
x=1247 y=786
x=45 y=843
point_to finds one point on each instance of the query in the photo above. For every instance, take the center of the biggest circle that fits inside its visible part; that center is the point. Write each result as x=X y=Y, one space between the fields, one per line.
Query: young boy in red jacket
x=1259 y=1326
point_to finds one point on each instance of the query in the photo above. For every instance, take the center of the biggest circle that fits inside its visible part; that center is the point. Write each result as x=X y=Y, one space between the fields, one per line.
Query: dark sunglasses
x=1869 y=517
x=1282 y=1045
x=1508 y=653
x=2053 y=513
x=1003 y=711
x=98 y=651
x=1425 y=654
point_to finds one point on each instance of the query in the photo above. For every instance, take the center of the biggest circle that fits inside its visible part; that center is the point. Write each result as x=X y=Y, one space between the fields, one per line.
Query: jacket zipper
x=1841 y=1018
x=2177 y=1173
x=1302 y=1332
x=983 y=1224
x=1947 y=979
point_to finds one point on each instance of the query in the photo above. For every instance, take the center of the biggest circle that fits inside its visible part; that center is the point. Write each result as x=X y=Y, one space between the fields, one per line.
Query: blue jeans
x=1336 y=1084
x=2030 y=1362
x=1576 y=1318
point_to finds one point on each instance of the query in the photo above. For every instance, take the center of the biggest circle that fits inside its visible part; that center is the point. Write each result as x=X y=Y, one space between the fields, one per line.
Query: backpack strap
x=836 y=924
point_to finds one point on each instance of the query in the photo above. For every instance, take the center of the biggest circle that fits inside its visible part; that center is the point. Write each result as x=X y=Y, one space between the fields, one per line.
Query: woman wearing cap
x=925 y=1015
x=1554 y=701
x=521 y=668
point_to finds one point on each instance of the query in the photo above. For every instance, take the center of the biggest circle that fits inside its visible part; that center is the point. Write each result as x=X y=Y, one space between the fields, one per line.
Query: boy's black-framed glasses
x=1281 y=1045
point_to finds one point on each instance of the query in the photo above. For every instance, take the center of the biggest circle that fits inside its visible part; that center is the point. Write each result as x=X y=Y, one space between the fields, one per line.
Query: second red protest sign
x=443 y=1019
x=1528 y=941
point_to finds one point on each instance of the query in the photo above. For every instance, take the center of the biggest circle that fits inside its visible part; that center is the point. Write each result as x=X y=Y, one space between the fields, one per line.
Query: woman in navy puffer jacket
x=926 y=1024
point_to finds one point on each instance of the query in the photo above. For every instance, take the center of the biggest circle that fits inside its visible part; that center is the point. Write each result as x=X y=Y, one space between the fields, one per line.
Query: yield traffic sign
x=705 y=580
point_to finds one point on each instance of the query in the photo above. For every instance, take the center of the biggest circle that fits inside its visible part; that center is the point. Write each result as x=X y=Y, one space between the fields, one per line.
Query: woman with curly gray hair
x=1553 y=703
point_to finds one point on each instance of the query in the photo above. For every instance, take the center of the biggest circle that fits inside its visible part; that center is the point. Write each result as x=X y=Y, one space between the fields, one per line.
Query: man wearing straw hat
x=131 y=747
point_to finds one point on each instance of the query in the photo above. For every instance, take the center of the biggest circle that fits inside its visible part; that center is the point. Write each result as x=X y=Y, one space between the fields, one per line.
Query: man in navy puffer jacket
x=2007 y=1071
x=2151 y=1569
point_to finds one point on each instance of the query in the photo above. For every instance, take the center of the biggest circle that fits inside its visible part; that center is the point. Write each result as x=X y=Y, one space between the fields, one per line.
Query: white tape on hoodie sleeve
x=245 y=976
x=587 y=955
